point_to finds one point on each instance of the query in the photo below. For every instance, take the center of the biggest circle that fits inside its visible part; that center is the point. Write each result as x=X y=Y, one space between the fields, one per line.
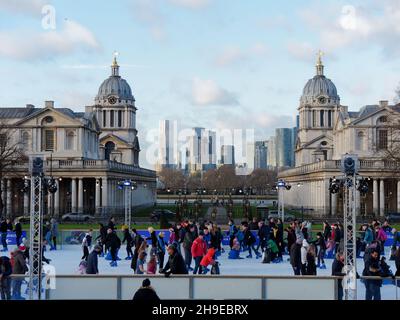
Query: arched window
x=382 y=119
x=70 y=141
x=110 y=147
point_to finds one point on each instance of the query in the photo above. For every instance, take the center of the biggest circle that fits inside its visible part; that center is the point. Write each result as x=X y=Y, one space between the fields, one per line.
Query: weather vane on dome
x=115 y=54
x=320 y=54
x=320 y=66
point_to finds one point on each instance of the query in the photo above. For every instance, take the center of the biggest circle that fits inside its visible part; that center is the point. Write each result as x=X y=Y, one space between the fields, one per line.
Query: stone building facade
x=327 y=131
x=88 y=153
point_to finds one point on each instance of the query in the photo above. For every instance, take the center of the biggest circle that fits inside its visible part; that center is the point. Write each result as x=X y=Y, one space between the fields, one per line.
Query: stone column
x=49 y=203
x=9 y=197
x=375 y=197
x=4 y=195
x=80 y=195
x=26 y=203
x=382 y=198
x=57 y=200
x=398 y=196
x=97 y=197
x=73 y=196
x=334 y=204
x=104 y=196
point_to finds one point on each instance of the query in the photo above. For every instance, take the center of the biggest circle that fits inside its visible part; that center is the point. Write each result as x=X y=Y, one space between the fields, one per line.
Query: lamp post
x=281 y=186
x=128 y=186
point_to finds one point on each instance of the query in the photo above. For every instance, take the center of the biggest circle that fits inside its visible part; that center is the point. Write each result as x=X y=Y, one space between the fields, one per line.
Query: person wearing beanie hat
x=146 y=292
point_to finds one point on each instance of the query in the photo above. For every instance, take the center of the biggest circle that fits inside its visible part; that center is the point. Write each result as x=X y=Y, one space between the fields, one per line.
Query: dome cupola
x=114 y=89
x=320 y=89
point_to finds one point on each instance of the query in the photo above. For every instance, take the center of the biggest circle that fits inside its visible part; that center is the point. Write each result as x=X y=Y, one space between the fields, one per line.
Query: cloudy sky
x=210 y=63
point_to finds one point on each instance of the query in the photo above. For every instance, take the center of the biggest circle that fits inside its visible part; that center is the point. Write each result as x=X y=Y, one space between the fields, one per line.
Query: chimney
x=49 y=104
x=30 y=106
x=383 y=103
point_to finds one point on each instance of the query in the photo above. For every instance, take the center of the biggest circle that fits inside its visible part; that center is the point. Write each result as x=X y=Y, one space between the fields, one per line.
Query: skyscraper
x=284 y=147
x=260 y=155
x=271 y=156
x=202 y=150
x=228 y=154
x=168 y=149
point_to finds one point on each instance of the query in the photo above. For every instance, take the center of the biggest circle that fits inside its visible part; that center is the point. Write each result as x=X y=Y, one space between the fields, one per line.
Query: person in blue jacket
x=368 y=236
x=233 y=230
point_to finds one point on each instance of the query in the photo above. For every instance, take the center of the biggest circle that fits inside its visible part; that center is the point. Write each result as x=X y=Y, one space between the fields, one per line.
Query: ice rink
x=66 y=261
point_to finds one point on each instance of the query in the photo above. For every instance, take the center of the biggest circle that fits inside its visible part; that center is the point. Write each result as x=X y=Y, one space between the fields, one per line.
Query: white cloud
x=31 y=7
x=232 y=55
x=148 y=13
x=191 y=4
x=23 y=44
x=371 y=24
x=207 y=92
x=301 y=50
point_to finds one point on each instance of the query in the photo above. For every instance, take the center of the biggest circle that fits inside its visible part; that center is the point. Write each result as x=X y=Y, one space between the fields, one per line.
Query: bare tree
x=11 y=155
x=172 y=179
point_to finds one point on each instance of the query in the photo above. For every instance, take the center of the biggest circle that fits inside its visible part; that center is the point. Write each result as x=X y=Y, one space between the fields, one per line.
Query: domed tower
x=116 y=113
x=319 y=105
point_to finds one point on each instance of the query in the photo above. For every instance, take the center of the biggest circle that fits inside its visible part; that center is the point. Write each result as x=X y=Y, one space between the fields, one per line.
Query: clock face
x=322 y=100
x=112 y=100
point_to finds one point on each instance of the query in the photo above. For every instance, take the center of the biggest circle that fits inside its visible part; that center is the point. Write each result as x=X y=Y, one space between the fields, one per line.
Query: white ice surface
x=66 y=261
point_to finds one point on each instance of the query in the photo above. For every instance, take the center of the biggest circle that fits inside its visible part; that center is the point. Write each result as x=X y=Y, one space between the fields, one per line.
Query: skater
x=368 y=237
x=273 y=251
x=175 y=264
x=190 y=236
x=161 y=250
x=5 y=280
x=111 y=224
x=295 y=256
x=139 y=241
x=129 y=241
x=372 y=269
x=337 y=270
x=235 y=250
x=263 y=235
x=311 y=268
x=249 y=241
x=304 y=250
x=153 y=240
x=208 y=260
x=232 y=232
x=114 y=243
x=291 y=236
x=101 y=238
x=87 y=244
x=321 y=247
x=140 y=263
x=93 y=261
x=54 y=233
x=338 y=237
x=381 y=237
x=198 y=250
x=18 y=232
x=19 y=268
x=146 y=292
x=5 y=226
x=152 y=265
x=327 y=230
x=47 y=234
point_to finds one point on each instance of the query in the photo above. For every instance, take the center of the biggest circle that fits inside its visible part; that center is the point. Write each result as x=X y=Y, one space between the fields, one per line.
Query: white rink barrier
x=114 y=287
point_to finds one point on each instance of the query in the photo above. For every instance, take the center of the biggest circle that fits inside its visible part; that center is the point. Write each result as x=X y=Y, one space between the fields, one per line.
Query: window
x=25 y=140
x=382 y=119
x=321 y=118
x=382 y=139
x=119 y=118
x=104 y=118
x=329 y=118
x=112 y=118
x=49 y=140
x=70 y=141
x=110 y=147
x=314 y=118
x=360 y=142
x=3 y=141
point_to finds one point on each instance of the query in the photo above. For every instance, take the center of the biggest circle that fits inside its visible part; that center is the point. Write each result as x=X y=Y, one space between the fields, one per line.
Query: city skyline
x=253 y=81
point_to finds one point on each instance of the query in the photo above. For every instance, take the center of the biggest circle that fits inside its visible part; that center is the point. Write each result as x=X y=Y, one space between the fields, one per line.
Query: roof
x=17 y=113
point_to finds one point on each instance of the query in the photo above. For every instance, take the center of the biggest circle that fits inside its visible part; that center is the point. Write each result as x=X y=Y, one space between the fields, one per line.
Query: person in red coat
x=199 y=250
x=207 y=260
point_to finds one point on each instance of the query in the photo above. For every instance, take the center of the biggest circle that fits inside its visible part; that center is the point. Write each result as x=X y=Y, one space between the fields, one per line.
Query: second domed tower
x=319 y=104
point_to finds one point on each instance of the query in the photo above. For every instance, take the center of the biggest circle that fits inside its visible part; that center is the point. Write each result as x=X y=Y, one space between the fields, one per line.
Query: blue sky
x=210 y=63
